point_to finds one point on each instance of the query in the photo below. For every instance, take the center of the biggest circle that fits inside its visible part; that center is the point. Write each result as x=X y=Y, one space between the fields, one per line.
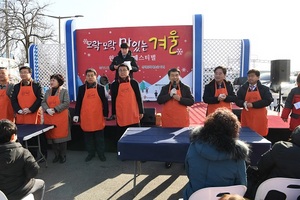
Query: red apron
x=60 y=120
x=174 y=114
x=212 y=107
x=91 y=114
x=26 y=98
x=255 y=118
x=6 y=108
x=127 y=109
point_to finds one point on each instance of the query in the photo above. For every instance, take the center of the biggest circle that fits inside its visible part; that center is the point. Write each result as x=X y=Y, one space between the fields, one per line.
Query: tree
x=22 y=24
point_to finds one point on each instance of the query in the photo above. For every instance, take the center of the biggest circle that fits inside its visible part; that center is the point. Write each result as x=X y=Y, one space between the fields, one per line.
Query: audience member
x=232 y=197
x=127 y=103
x=292 y=106
x=91 y=109
x=216 y=157
x=18 y=167
x=218 y=92
x=254 y=97
x=6 y=89
x=280 y=161
x=56 y=112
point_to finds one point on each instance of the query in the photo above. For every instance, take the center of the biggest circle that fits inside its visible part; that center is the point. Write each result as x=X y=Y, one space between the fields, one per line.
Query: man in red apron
x=6 y=88
x=26 y=98
x=254 y=97
x=175 y=97
x=91 y=109
x=219 y=92
x=127 y=103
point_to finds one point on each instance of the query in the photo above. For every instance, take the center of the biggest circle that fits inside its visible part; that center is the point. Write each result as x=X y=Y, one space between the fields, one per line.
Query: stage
x=278 y=130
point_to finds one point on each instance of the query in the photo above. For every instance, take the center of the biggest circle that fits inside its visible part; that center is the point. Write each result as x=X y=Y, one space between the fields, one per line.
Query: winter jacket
x=209 y=93
x=17 y=170
x=208 y=167
x=264 y=91
x=119 y=59
x=187 y=99
x=289 y=108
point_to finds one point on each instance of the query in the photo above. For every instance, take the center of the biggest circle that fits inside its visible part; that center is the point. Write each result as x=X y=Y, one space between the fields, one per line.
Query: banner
x=155 y=48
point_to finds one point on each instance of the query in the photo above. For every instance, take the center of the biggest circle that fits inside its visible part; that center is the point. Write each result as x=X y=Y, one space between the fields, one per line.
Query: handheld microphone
x=174 y=85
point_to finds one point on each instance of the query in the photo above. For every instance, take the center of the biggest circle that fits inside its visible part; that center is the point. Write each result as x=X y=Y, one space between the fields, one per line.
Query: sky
x=270 y=25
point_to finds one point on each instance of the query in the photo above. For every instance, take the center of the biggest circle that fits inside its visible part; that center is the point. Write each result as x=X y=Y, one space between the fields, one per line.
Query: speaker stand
x=277 y=107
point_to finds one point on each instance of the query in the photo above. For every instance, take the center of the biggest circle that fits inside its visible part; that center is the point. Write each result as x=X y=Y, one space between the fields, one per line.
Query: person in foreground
x=218 y=92
x=254 y=97
x=56 y=111
x=282 y=160
x=216 y=157
x=18 y=167
x=292 y=106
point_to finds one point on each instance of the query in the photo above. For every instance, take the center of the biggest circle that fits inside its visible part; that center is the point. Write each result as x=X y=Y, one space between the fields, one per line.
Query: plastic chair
x=289 y=186
x=214 y=193
x=28 y=197
x=2 y=196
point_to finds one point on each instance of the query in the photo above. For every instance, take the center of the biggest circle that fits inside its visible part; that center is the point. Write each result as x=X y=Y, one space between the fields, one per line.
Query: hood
x=240 y=151
x=295 y=137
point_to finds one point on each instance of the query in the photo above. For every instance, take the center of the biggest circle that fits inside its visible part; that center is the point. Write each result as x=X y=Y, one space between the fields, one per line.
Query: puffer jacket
x=208 y=167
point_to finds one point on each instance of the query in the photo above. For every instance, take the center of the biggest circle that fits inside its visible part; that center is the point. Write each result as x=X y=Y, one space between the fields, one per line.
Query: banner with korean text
x=155 y=48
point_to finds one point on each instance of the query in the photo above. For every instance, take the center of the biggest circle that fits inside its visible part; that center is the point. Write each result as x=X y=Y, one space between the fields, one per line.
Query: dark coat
x=38 y=92
x=209 y=93
x=187 y=99
x=135 y=86
x=80 y=95
x=119 y=60
x=264 y=91
x=17 y=170
x=282 y=160
x=207 y=166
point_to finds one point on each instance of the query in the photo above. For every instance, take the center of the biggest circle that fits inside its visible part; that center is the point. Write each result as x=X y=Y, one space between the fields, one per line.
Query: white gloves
x=245 y=105
x=173 y=92
x=50 y=111
x=75 y=119
x=20 y=112
x=222 y=96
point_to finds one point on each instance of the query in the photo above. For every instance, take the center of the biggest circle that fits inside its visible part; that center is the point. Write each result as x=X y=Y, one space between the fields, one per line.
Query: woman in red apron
x=92 y=108
x=26 y=98
x=175 y=97
x=254 y=98
x=6 y=108
x=127 y=102
x=219 y=92
x=56 y=112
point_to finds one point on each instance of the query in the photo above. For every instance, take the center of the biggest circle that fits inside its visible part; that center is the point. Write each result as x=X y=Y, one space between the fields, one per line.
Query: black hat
x=295 y=137
x=124 y=46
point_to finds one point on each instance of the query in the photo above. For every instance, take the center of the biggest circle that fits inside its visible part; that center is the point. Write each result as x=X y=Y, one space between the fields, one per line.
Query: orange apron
x=91 y=114
x=127 y=109
x=26 y=98
x=212 y=107
x=174 y=114
x=6 y=108
x=255 y=118
x=60 y=120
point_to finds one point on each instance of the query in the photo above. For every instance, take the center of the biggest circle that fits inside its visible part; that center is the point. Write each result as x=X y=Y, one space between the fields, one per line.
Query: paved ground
x=113 y=179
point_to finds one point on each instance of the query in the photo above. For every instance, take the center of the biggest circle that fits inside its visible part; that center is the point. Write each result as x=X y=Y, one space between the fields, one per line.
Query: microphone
x=174 y=85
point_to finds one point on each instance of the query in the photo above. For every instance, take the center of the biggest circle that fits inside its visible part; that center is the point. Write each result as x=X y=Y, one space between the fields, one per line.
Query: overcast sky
x=270 y=25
